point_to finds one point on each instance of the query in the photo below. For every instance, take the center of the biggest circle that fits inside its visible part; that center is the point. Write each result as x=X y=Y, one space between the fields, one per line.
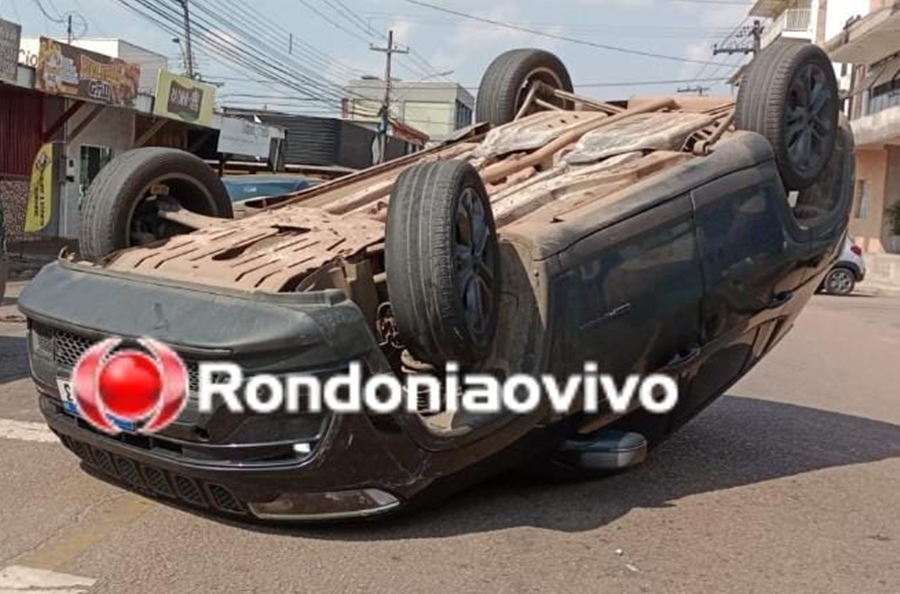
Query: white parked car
x=846 y=272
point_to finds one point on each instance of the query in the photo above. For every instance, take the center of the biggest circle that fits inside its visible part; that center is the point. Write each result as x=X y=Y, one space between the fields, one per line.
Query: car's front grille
x=189 y=490
x=129 y=472
x=67 y=349
x=158 y=482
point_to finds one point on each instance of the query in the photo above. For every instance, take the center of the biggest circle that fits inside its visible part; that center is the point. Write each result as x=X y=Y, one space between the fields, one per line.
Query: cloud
x=402 y=28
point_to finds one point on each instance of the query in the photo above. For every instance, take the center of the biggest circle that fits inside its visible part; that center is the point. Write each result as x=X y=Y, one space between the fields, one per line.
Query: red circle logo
x=130 y=386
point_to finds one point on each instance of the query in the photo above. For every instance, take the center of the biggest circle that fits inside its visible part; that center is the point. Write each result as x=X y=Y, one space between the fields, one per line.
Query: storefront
x=21 y=128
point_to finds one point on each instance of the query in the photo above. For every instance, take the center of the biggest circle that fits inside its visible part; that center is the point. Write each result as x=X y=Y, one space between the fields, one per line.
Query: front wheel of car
x=840 y=281
x=443 y=263
x=790 y=95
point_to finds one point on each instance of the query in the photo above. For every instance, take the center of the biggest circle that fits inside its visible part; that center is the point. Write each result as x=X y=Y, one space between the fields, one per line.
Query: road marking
x=95 y=525
x=25 y=431
x=17 y=579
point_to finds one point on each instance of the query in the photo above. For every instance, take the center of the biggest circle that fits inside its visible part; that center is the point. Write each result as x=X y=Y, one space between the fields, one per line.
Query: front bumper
x=271 y=467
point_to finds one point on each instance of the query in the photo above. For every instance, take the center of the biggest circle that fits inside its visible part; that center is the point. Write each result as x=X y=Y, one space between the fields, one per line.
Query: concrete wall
x=437 y=120
x=871 y=167
x=114 y=128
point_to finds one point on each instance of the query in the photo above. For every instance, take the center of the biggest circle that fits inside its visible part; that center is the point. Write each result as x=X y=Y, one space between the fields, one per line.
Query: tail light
x=856 y=250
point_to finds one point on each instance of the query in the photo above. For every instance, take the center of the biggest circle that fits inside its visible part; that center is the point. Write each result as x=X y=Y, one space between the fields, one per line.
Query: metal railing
x=792 y=21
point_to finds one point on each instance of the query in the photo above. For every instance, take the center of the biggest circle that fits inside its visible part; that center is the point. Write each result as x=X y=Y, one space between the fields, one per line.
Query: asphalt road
x=790 y=484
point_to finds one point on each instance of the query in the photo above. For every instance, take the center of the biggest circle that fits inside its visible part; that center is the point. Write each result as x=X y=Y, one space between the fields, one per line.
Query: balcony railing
x=793 y=22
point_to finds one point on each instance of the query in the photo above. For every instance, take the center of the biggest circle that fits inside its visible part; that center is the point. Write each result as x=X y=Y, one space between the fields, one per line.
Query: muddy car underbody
x=600 y=217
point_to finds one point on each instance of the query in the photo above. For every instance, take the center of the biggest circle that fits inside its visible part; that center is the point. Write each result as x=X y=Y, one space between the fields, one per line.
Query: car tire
x=790 y=95
x=840 y=281
x=443 y=286
x=505 y=83
x=112 y=217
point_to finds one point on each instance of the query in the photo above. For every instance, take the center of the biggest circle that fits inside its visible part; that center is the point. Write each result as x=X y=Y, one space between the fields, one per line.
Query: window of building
x=862 y=199
x=93 y=159
x=883 y=85
x=463 y=115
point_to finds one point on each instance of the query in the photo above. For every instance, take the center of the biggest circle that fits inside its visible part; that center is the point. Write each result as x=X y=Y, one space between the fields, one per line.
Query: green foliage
x=894 y=218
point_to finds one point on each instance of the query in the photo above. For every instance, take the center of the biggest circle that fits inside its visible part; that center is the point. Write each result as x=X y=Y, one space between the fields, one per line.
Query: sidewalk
x=882 y=274
x=28 y=257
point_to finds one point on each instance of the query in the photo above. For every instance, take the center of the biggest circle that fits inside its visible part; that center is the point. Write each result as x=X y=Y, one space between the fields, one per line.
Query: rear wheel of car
x=840 y=281
x=790 y=95
x=121 y=207
x=507 y=81
x=443 y=263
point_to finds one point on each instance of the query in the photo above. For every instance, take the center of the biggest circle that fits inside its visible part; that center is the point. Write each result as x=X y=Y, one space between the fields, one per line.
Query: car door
x=632 y=294
x=752 y=253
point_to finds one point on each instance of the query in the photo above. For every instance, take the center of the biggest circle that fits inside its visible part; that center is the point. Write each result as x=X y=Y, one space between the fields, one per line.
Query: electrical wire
x=309 y=51
x=57 y=19
x=524 y=29
x=256 y=36
x=233 y=53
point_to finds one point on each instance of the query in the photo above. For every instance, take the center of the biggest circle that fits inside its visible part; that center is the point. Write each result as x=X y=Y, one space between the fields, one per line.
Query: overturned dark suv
x=656 y=235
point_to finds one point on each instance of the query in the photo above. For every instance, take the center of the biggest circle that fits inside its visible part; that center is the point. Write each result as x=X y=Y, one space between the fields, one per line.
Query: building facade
x=870 y=45
x=863 y=39
x=437 y=109
x=92 y=101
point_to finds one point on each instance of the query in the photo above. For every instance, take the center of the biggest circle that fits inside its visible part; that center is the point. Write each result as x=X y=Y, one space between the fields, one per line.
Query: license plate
x=67 y=395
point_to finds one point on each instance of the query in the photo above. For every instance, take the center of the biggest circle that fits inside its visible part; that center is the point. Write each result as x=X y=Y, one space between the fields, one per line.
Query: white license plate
x=67 y=395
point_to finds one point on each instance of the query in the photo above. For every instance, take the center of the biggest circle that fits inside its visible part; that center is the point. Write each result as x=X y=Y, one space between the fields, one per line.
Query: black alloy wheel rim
x=474 y=259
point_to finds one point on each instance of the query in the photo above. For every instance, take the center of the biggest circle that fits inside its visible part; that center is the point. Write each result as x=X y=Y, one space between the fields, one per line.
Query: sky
x=333 y=45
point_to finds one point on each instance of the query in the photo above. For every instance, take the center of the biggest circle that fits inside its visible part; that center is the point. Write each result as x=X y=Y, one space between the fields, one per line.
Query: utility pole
x=189 y=54
x=756 y=32
x=69 y=30
x=389 y=52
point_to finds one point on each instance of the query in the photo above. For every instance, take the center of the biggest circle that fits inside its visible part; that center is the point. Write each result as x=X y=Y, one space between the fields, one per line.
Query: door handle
x=780 y=299
x=685 y=356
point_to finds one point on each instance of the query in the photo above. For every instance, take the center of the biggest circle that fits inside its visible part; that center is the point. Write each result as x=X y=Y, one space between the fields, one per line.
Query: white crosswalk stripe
x=16 y=579
x=26 y=431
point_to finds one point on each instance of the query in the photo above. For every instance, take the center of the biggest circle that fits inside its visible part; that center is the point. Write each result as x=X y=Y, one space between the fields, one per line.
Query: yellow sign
x=40 y=195
x=181 y=98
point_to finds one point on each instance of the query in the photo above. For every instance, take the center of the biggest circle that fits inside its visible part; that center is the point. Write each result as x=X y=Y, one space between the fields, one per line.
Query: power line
x=585 y=42
x=725 y=40
x=349 y=15
x=333 y=22
x=310 y=52
x=236 y=53
x=323 y=85
x=57 y=19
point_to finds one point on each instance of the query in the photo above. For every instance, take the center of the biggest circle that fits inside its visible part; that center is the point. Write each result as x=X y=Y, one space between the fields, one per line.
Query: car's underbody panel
x=305 y=244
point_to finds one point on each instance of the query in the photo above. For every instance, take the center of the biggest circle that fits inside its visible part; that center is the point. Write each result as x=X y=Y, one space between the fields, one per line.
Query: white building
x=437 y=109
